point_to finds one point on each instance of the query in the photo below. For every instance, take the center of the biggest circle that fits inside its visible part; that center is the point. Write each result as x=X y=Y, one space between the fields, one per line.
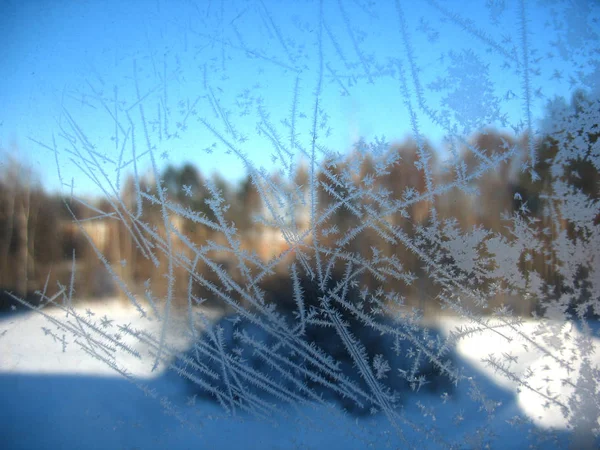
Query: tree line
x=36 y=248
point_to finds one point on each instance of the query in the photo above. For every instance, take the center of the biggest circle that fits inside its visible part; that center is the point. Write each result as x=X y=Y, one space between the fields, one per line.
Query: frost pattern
x=501 y=227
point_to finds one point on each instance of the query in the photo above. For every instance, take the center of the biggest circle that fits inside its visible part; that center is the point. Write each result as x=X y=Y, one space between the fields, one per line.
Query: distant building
x=271 y=241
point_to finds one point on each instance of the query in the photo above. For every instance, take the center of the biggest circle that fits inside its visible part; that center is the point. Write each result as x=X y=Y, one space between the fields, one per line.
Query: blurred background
x=40 y=238
x=102 y=98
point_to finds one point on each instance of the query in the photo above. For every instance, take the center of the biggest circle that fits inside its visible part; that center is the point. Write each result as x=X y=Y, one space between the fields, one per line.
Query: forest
x=42 y=234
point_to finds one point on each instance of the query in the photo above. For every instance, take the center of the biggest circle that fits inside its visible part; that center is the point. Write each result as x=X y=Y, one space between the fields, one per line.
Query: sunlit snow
x=86 y=397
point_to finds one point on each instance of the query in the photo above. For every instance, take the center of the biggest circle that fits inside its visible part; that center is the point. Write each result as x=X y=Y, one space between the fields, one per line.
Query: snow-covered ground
x=55 y=399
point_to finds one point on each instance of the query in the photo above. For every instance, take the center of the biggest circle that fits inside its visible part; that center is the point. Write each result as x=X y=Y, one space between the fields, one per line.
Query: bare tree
x=18 y=214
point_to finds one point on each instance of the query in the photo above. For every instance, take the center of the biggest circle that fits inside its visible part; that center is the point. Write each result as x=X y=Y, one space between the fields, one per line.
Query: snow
x=54 y=399
x=528 y=354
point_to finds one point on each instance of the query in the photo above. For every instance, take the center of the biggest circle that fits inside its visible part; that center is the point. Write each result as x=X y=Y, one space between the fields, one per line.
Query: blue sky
x=235 y=65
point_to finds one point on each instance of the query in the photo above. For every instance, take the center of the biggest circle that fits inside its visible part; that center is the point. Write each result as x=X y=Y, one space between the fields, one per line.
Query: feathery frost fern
x=331 y=269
